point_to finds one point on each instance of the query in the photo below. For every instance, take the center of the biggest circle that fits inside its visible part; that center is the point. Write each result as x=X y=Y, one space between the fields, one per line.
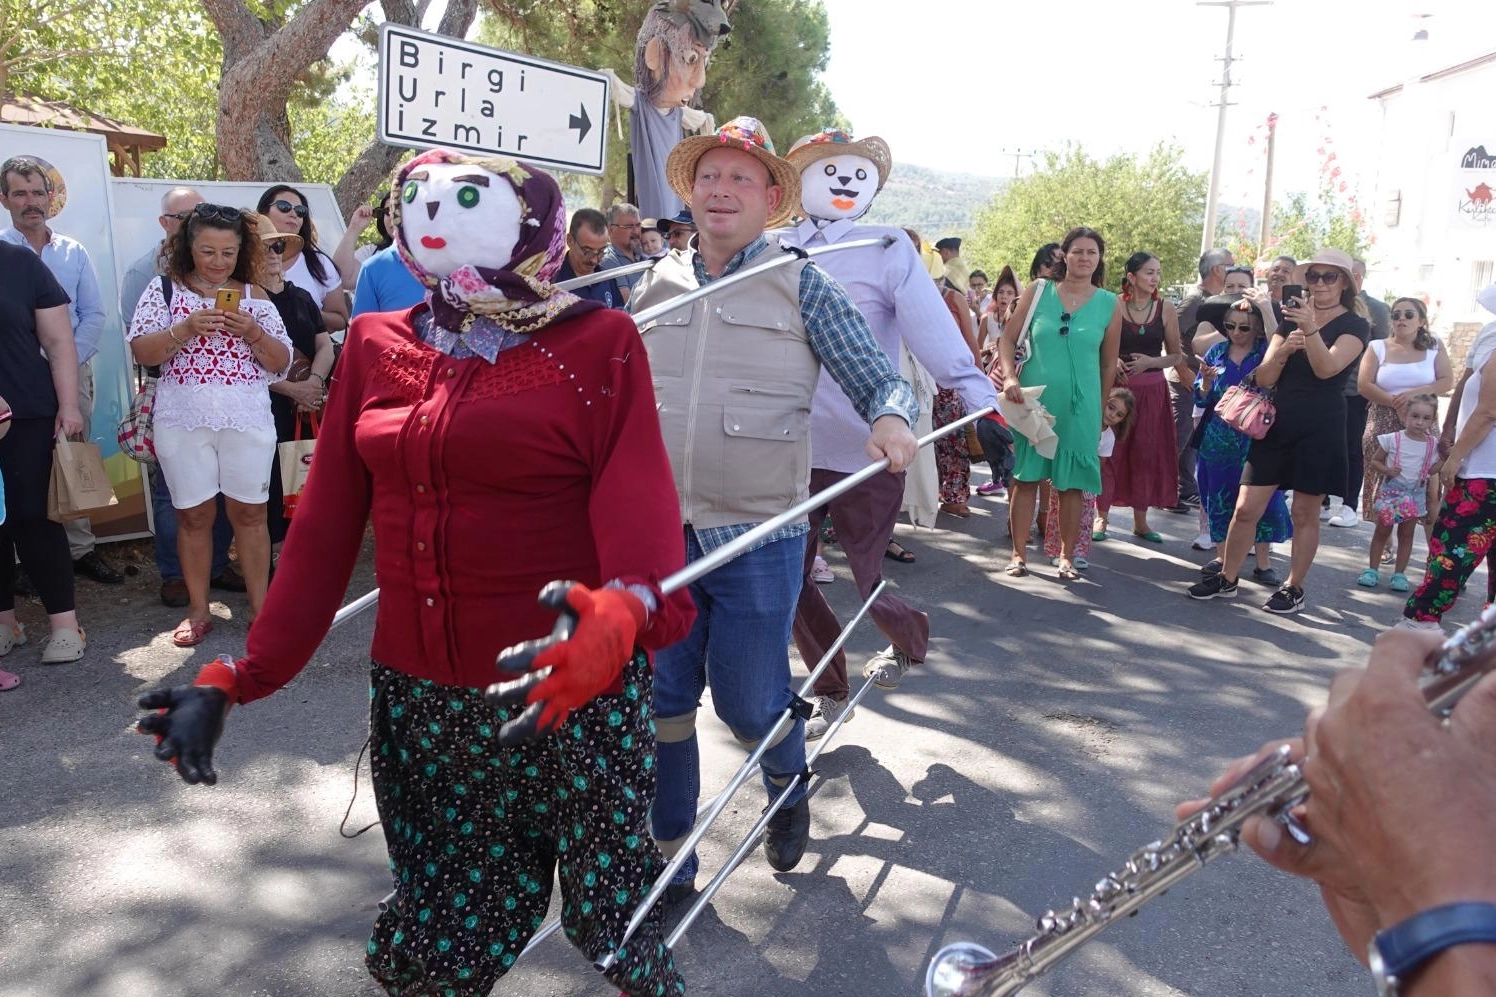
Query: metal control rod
x=598 y=276
x=783 y=259
x=734 y=784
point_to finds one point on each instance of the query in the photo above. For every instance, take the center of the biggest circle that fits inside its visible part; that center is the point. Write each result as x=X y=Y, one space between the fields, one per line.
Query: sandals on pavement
x=897 y=552
x=190 y=633
x=1150 y=536
x=1068 y=573
x=8 y=680
x=1017 y=569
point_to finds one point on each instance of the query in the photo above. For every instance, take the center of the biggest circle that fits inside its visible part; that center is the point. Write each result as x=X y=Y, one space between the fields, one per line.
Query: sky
x=969 y=82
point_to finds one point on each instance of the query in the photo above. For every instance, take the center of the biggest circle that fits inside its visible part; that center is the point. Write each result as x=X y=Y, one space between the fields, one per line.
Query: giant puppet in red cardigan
x=500 y=435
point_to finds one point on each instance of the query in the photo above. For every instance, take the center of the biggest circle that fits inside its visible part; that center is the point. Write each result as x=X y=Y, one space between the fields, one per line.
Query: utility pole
x=1207 y=237
x=1018 y=156
x=1267 y=186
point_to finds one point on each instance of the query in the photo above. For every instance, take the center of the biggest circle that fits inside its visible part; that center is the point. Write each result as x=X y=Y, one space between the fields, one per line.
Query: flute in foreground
x=1272 y=788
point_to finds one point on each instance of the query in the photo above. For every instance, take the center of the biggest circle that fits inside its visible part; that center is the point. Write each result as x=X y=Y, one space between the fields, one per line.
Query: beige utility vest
x=733 y=377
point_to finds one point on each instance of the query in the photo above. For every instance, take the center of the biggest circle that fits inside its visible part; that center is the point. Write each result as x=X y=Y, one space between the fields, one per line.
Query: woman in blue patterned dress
x=1221 y=450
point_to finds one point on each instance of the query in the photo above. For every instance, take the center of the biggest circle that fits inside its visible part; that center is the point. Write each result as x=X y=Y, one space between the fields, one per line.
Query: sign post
x=440 y=91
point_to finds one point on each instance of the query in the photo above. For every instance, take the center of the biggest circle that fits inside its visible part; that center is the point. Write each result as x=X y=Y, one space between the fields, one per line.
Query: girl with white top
x=1411 y=362
x=213 y=429
x=1406 y=461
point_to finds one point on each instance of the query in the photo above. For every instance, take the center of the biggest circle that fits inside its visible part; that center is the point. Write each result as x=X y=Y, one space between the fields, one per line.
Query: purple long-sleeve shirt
x=894 y=292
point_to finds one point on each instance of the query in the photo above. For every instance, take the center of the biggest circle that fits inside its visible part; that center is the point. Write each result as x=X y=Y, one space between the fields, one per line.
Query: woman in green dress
x=1073 y=354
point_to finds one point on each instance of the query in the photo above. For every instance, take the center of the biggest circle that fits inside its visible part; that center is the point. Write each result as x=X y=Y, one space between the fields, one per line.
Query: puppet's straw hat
x=836 y=142
x=750 y=136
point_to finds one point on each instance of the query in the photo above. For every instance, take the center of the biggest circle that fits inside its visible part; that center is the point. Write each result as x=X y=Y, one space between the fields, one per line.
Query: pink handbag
x=1247 y=409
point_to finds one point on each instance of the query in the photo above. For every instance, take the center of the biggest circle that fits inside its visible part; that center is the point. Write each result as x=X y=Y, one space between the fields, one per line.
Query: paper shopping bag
x=295 y=463
x=79 y=485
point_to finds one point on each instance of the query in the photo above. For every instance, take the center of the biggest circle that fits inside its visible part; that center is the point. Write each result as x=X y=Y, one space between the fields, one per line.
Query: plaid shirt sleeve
x=842 y=341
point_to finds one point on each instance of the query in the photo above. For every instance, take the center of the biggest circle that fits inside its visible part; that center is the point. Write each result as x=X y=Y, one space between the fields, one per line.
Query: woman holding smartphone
x=220 y=344
x=1308 y=360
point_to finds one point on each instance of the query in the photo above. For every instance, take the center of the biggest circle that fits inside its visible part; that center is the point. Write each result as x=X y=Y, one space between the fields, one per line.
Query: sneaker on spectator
x=1266 y=576
x=1203 y=541
x=827 y=710
x=821 y=573
x=1421 y=626
x=1213 y=587
x=1345 y=516
x=989 y=489
x=91 y=565
x=1288 y=599
x=11 y=637
x=63 y=646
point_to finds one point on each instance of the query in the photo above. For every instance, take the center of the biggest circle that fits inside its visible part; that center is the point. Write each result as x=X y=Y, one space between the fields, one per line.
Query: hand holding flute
x=1401 y=811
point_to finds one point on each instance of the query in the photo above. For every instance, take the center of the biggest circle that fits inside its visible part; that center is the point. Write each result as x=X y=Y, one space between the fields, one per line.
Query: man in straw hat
x=734 y=375
x=839 y=179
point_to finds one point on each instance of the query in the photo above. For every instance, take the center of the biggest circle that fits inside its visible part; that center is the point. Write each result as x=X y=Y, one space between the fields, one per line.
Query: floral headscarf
x=517 y=296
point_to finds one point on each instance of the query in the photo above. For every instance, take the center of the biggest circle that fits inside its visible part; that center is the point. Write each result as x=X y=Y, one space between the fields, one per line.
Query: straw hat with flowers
x=745 y=134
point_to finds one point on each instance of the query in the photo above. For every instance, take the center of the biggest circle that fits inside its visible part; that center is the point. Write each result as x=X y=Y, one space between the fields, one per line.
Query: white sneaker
x=826 y=712
x=821 y=573
x=1203 y=541
x=63 y=646
x=1427 y=626
x=1345 y=516
x=11 y=638
x=1328 y=511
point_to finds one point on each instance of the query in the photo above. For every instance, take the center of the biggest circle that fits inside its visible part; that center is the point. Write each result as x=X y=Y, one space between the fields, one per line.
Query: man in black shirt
x=586 y=242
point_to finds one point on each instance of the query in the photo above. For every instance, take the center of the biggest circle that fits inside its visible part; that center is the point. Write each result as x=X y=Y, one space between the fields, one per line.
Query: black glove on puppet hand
x=582 y=657
x=189 y=720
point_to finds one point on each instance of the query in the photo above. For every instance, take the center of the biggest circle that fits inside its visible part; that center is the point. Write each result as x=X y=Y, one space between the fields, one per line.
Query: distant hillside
x=934 y=203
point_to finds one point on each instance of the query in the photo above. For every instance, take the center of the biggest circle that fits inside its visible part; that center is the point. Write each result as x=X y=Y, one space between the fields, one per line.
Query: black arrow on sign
x=582 y=123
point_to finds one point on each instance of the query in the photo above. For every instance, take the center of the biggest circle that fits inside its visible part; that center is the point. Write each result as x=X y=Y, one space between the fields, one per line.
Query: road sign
x=440 y=91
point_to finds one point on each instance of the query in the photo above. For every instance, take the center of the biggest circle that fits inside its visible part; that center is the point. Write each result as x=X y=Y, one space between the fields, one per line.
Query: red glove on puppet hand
x=583 y=656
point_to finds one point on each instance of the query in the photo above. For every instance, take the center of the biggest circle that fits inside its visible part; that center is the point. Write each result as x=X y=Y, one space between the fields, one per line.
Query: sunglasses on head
x=1326 y=277
x=217 y=212
x=1409 y=315
x=299 y=210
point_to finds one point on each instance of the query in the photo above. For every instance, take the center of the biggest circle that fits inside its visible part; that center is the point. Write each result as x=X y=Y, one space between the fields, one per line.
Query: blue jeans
x=740 y=645
x=165 y=516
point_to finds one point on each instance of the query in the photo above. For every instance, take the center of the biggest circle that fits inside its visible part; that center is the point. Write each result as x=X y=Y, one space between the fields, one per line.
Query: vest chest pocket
x=666 y=340
x=764 y=424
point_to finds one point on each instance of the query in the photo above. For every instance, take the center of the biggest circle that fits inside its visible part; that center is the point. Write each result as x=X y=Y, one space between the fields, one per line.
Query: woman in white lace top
x=213 y=429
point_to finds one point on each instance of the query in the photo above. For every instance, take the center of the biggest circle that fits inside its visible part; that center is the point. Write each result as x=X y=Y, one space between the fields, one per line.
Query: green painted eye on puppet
x=409 y=193
x=468 y=197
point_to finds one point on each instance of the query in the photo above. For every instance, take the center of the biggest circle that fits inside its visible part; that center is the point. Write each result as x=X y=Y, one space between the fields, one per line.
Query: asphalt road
x=1048 y=736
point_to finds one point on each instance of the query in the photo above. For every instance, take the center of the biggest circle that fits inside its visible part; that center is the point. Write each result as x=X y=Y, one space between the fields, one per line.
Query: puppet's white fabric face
x=455 y=214
x=838 y=187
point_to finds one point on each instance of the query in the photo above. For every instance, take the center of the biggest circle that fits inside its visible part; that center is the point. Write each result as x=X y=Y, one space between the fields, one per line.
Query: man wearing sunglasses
x=176 y=205
x=26 y=191
x=586 y=242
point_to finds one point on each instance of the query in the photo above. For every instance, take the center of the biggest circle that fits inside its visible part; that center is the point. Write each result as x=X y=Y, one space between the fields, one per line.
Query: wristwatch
x=1397 y=953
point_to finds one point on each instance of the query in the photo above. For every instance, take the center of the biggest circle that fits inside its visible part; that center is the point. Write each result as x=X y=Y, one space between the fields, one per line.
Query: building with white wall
x=1434 y=208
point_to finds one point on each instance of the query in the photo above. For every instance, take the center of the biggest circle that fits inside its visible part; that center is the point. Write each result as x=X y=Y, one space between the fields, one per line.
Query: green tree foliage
x=1301 y=225
x=770 y=67
x=150 y=63
x=932 y=202
x=1150 y=203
